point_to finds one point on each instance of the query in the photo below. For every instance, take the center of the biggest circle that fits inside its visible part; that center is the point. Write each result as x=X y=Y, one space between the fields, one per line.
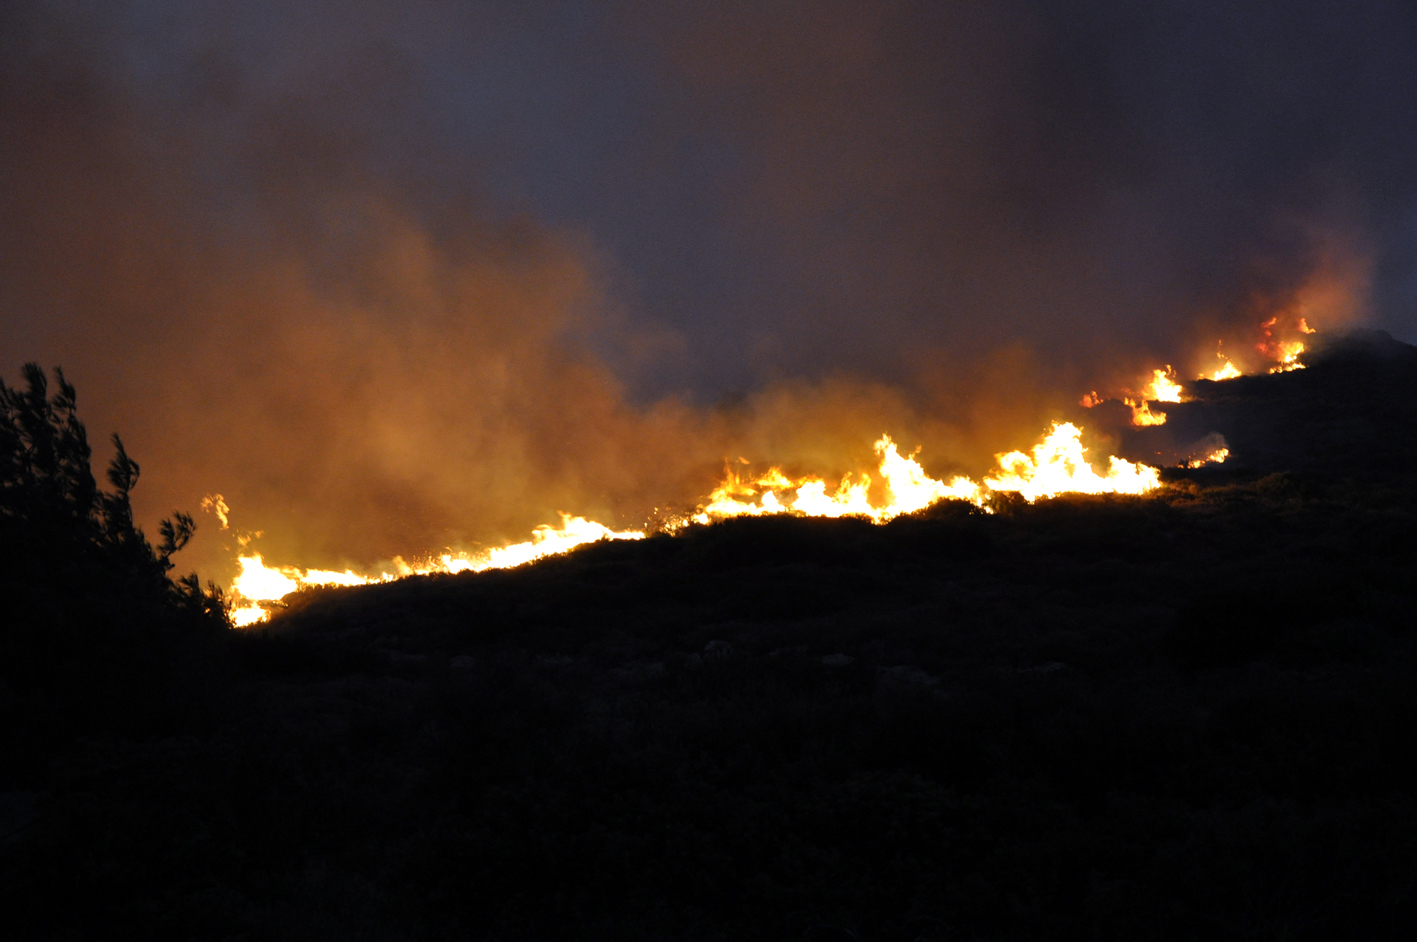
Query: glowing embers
x=256 y=590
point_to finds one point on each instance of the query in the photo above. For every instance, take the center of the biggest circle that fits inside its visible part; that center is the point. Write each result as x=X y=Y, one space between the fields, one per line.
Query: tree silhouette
x=56 y=520
x=96 y=637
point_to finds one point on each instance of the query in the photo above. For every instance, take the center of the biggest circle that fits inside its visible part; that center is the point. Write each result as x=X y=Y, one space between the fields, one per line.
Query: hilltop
x=1352 y=411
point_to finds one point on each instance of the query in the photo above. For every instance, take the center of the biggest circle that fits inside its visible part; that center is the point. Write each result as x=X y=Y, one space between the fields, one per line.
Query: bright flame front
x=259 y=586
x=1056 y=465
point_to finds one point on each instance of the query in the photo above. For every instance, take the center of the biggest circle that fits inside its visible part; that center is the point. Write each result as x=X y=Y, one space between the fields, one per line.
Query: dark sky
x=394 y=275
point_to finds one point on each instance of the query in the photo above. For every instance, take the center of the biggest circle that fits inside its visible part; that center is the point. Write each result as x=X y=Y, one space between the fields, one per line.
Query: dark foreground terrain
x=1185 y=717
x=1191 y=716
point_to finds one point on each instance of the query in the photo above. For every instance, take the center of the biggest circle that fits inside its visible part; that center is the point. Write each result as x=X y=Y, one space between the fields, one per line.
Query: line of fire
x=1058 y=464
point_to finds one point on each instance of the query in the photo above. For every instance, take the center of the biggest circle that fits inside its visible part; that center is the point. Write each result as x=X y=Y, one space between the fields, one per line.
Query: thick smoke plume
x=392 y=277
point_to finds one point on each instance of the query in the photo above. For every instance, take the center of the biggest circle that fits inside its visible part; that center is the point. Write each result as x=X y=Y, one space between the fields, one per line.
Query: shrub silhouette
x=92 y=612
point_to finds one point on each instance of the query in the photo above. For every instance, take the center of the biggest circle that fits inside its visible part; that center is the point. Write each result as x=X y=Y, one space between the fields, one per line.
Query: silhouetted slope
x=1105 y=718
x=1185 y=716
x=1353 y=410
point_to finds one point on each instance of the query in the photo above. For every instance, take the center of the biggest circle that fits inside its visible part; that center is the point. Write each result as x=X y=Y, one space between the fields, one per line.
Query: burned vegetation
x=1183 y=715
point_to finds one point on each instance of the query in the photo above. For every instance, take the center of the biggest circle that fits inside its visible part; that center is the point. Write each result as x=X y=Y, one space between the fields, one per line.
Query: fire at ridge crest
x=1057 y=465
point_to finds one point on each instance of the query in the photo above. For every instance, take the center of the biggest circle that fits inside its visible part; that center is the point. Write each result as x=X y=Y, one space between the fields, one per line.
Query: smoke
x=392 y=277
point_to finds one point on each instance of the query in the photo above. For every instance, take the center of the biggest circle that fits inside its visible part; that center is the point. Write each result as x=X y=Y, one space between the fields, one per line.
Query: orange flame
x=1056 y=466
x=1228 y=371
x=259 y=586
x=1059 y=465
x=1284 y=352
x=1161 y=388
x=1218 y=457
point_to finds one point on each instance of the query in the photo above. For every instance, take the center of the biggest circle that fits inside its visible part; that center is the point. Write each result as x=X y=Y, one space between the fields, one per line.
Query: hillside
x=1184 y=716
x=1352 y=411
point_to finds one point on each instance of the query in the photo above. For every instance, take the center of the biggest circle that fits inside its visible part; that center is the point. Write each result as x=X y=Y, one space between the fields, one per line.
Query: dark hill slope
x=1183 y=717
x=1353 y=411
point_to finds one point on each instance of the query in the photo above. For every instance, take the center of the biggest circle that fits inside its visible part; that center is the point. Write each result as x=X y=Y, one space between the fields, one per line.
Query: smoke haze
x=393 y=277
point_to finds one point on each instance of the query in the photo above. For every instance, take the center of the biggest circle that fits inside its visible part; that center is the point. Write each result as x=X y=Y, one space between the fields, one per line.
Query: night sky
x=394 y=276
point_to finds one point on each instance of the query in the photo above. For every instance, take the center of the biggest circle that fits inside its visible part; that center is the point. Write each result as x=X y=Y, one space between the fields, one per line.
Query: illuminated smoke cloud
x=400 y=277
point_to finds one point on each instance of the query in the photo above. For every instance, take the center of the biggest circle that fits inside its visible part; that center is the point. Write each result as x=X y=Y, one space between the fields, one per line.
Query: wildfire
x=1228 y=371
x=1288 y=351
x=259 y=585
x=1285 y=352
x=1056 y=465
x=1059 y=465
x=1142 y=414
x=907 y=489
x=1160 y=388
x=1218 y=457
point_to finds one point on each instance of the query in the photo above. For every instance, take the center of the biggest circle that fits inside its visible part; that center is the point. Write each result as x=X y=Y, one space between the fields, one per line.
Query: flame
x=1056 y=465
x=1288 y=351
x=214 y=504
x=1284 y=352
x=1218 y=456
x=1228 y=371
x=1163 y=388
x=546 y=540
x=244 y=616
x=1142 y=414
x=260 y=583
x=259 y=586
x=1059 y=465
x=908 y=488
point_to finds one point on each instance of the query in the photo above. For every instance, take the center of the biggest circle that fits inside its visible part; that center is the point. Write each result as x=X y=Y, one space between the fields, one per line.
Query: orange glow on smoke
x=1283 y=351
x=1056 y=465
